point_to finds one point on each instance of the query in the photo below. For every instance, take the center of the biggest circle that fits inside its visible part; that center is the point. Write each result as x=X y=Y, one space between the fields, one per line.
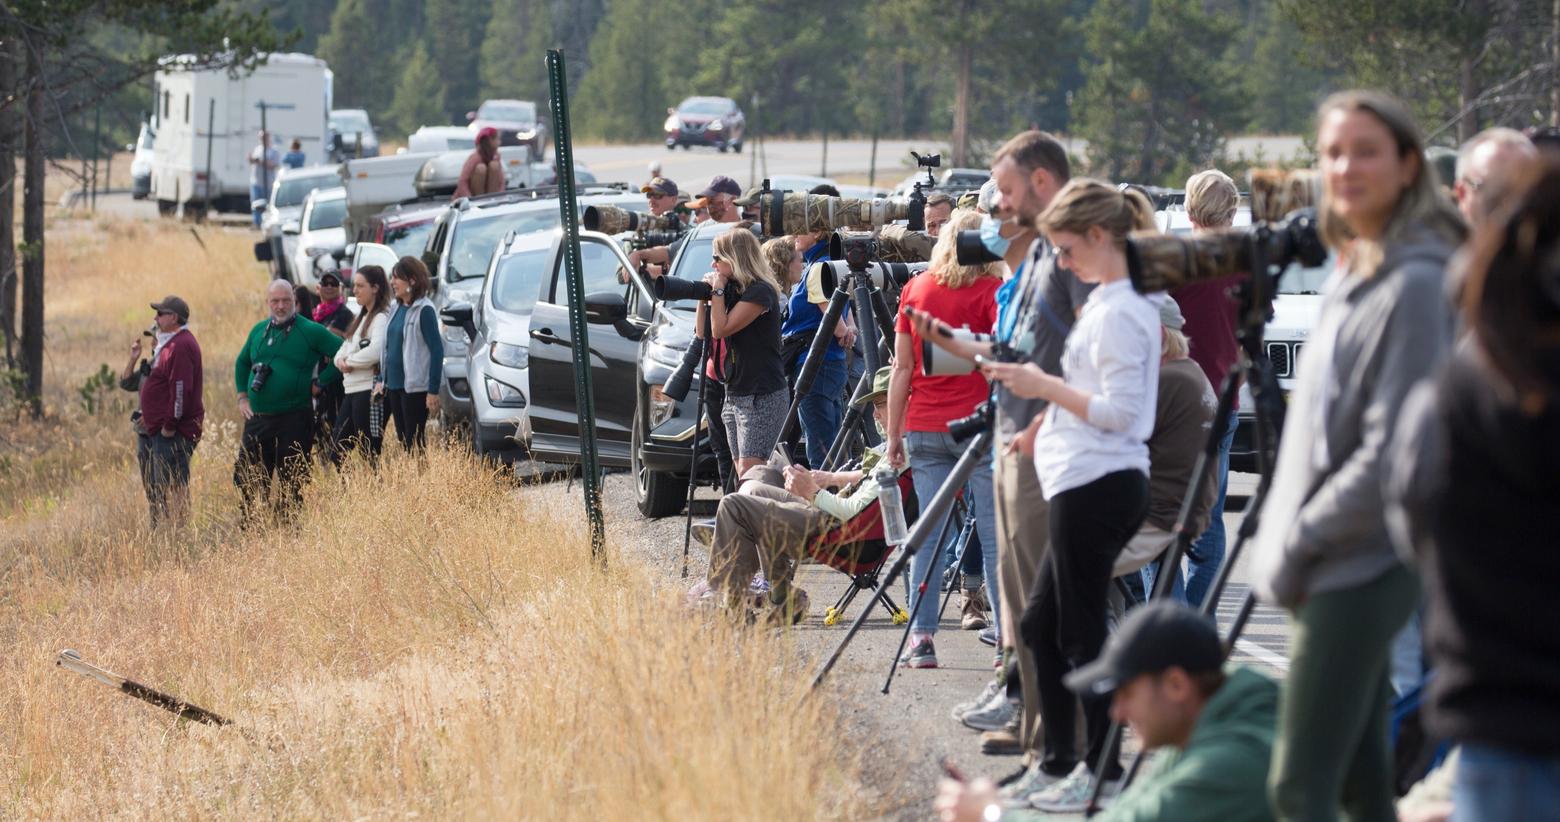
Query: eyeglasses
x=1064 y=252
x=160 y=312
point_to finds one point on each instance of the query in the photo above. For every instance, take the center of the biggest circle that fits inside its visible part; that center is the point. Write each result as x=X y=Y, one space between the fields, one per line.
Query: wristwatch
x=719 y=292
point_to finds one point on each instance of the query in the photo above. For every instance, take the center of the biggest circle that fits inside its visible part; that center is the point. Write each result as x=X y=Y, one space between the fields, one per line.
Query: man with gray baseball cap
x=1164 y=672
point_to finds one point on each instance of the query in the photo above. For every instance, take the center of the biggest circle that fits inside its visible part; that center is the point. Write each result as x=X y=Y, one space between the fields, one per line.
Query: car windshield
x=294 y=190
x=408 y=240
x=702 y=107
x=458 y=143
x=519 y=280
x=348 y=122
x=511 y=112
x=327 y=214
x=475 y=238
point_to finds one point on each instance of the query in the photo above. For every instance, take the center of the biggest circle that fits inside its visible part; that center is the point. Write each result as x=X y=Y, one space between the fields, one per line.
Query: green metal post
x=563 y=158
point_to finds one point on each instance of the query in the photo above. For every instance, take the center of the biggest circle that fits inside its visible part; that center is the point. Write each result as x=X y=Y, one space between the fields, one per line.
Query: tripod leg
x=915 y=602
x=693 y=459
x=931 y=516
x=965 y=532
x=810 y=366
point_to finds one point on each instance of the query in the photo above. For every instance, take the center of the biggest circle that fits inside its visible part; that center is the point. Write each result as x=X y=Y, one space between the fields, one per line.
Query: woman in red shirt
x=920 y=408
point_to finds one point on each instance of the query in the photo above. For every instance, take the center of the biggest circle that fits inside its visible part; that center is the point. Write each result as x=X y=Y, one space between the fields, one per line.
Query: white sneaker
x=1016 y=794
x=992 y=689
x=1071 y=795
x=995 y=715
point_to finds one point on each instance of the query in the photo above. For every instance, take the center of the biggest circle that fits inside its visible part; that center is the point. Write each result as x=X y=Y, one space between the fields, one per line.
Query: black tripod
x=962 y=514
x=1256 y=301
x=934 y=517
x=707 y=363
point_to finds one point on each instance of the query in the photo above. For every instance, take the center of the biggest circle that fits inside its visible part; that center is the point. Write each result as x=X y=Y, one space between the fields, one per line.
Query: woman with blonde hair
x=1091 y=455
x=784 y=262
x=920 y=406
x=744 y=319
x=1322 y=550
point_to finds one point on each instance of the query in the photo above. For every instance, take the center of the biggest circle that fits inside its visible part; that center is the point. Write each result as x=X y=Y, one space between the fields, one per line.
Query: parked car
x=705 y=121
x=460 y=247
x=439 y=139
x=319 y=233
x=515 y=120
x=292 y=187
x=351 y=134
x=141 y=164
x=952 y=181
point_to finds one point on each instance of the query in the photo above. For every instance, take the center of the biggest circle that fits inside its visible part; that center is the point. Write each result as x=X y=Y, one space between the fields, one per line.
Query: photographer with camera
x=1091 y=457
x=920 y=407
x=744 y=322
x=168 y=422
x=1036 y=309
x=273 y=374
x=937 y=212
x=1322 y=550
x=717 y=199
x=820 y=409
x=661 y=195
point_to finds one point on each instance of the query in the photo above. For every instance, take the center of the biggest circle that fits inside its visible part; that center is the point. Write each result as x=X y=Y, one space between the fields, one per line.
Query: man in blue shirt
x=820 y=408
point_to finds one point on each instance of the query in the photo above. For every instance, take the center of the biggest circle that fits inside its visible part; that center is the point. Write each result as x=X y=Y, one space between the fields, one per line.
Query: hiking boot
x=704 y=532
x=790 y=612
x=1071 y=795
x=972 y=612
x=992 y=688
x=923 y=654
x=1002 y=742
x=992 y=717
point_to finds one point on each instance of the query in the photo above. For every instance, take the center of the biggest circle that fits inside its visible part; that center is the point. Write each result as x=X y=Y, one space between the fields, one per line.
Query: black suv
x=457 y=253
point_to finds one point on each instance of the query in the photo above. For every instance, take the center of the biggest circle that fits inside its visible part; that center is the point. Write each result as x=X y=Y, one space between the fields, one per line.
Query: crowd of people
x=1413 y=474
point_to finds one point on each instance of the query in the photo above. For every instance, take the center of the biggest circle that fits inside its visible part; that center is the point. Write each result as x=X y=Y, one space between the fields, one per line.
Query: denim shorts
x=753 y=422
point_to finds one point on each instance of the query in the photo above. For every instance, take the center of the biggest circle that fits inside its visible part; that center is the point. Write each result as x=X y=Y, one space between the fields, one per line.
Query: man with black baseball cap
x=660 y=194
x=168 y=423
x=719 y=197
x=1164 y=671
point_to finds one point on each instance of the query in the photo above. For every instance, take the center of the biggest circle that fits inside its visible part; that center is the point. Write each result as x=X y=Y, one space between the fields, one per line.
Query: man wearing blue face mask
x=1036 y=309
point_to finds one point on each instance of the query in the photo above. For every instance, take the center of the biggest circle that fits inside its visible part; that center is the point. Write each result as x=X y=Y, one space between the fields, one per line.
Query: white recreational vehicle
x=209 y=121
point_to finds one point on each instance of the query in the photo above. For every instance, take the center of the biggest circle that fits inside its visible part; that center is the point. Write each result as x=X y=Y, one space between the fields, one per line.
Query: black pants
x=353 y=430
x=714 y=403
x=410 y=412
x=274 y=446
x=327 y=410
x=1064 y=622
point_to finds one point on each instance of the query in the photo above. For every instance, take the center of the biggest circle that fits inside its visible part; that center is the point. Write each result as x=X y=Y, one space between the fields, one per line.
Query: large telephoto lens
x=788 y=212
x=613 y=220
x=969 y=250
x=672 y=289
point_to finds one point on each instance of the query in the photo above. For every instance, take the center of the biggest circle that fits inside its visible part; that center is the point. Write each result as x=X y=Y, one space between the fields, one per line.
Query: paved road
x=904 y=734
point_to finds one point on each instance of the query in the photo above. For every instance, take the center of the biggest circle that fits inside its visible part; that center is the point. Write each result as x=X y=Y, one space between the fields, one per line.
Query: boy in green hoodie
x=1164 y=667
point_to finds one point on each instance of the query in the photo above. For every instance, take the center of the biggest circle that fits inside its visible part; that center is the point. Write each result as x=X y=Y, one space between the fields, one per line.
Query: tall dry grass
x=422 y=640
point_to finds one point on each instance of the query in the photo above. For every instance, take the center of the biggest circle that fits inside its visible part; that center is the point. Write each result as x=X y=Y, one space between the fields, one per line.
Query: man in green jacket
x=274 y=375
x=1165 y=667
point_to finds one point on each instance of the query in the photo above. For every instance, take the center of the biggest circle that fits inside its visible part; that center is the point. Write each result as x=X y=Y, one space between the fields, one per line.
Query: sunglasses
x=161 y=313
x=330 y=285
x=719 y=259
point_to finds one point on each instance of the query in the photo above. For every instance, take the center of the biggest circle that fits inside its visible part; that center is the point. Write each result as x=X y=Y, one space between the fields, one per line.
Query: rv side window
x=186 y=108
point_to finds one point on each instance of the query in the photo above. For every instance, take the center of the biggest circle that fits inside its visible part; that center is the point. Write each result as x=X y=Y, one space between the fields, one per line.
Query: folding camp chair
x=857 y=550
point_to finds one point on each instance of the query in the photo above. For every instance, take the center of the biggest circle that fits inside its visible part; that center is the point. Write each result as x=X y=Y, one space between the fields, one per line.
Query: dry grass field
x=422 y=641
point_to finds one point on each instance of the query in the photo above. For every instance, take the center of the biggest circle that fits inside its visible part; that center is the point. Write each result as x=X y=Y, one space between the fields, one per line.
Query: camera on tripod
x=613 y=220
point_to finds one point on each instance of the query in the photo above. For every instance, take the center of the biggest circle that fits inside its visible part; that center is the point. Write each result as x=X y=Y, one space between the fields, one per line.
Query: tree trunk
x=961 y=105
x=1554 y=65
x=8 y=203
x=32 y=237
x=1467 y=94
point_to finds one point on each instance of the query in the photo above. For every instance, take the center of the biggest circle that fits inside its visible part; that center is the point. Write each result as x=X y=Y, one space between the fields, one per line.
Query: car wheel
x=737 y=147
x=687 y=147
x=658 y=493
x=671 y=146
x=166 y=208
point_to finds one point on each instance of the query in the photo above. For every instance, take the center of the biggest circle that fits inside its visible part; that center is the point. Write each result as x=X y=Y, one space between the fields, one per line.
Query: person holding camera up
x=718 y=200
x=920 y=408
x=273 y=374
x=1036 y=309
x=1091 y=455
x=1322 y=550
x=358 y=362
x=412 y=366
x=744 y=321
x=168 y=423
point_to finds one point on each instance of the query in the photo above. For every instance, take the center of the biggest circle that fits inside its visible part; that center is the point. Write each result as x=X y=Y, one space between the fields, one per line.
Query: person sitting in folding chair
x=767 y=527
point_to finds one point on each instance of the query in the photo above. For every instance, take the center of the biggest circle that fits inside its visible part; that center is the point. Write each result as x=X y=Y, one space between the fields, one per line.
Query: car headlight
x=716 y=126
x=671 y=124
x=663 y=355
x=662 y=407
x=513 y=356
x=503 y=395
x=455 y=341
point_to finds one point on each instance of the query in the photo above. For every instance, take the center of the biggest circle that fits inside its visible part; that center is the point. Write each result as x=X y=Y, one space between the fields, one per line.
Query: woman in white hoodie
x=358 y=362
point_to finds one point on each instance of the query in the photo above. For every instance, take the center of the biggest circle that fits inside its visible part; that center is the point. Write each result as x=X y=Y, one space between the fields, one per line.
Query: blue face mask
x=991 y=236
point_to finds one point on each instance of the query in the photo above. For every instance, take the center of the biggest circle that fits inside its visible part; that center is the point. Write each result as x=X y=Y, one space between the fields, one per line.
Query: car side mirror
x=605 y=308
x=350 y=252
x=471 y=115
x=291 y=227
x=459 y=314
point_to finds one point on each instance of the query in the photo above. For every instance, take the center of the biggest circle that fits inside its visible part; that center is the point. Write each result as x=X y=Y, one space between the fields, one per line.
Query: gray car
x=279 y=223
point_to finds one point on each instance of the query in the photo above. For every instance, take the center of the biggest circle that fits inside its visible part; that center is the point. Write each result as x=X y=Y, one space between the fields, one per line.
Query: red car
x=705 y=121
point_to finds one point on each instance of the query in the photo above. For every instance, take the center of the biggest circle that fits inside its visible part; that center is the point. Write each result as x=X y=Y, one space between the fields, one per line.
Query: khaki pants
x=761 y=527
x=1023 y=532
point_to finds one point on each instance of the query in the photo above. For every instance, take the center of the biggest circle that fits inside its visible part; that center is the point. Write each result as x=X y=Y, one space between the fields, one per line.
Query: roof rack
x=521 y=195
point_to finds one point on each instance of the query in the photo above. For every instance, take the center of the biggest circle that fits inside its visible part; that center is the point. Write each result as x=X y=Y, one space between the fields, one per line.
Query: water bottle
x=895 y=532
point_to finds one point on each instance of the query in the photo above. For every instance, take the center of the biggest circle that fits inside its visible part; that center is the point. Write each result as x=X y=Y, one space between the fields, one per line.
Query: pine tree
x=622 y=96
x=454 y=43
x=357 y=56
x=420 y=93
x=513 y=52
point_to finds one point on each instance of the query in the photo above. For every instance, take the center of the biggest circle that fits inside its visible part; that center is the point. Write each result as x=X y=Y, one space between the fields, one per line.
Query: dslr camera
x=258 y=374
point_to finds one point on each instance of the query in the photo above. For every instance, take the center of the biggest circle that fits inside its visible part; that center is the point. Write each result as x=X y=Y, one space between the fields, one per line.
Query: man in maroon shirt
x=168 y=424
x=1211 y=198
